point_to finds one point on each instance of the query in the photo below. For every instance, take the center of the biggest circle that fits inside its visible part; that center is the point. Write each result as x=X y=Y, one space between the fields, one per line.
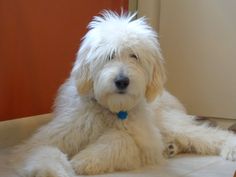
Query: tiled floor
x=186 y=165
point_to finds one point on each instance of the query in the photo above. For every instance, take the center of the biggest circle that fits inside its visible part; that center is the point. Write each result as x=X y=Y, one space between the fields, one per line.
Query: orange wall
x=38 y=43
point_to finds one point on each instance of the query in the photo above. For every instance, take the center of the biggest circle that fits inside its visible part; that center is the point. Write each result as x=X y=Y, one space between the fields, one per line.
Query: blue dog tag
x=122 y=115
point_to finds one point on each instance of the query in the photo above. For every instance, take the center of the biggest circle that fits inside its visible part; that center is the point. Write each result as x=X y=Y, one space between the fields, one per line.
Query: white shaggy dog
x=113 y=113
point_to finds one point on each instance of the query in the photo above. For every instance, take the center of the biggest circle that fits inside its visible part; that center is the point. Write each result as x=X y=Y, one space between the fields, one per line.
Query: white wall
x=198 y=41
x=151 y=10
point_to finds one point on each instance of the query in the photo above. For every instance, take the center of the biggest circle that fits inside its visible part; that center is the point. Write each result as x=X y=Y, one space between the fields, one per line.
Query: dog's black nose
x=121 y=82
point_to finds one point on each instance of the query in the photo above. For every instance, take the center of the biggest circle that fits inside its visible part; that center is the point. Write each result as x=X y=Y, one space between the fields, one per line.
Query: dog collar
x=122 y=115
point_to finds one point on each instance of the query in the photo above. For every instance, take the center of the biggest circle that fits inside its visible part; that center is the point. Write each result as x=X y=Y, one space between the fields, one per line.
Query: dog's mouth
x=121 y=92
x=119 y=101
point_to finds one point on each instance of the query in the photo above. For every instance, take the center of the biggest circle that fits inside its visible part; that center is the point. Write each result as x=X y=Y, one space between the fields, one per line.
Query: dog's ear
x=81 y=73
x=156 y=83
x=84 y=81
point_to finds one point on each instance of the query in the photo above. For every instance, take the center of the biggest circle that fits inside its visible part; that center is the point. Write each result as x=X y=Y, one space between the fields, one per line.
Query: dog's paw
x=86 y=165
x=47 y=168
x=47 y=171
x=44 y=161
x=171 y=149
x=229 y=150
x=150 y=156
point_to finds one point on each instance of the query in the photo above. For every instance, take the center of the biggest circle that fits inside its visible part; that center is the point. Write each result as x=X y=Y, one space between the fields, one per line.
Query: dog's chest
x=141 y=128
x=137 y=125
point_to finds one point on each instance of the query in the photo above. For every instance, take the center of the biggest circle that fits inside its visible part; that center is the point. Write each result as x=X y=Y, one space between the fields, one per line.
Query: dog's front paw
x=150 y=156
x=86 y=165
x=46 y=171
x=229 y=150
x=171 y=149
x=46 y=162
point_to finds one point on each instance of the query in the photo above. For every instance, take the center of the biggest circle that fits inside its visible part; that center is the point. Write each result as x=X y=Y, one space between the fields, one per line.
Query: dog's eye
x=112 y=56
x=133 y=56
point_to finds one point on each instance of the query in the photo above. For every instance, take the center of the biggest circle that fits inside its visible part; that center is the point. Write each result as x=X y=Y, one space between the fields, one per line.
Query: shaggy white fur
x=119 y=67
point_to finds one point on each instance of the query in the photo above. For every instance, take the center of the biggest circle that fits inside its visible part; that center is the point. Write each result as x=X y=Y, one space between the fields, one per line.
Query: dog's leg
x=201 y=139
x=114 y=150
x=45 y=161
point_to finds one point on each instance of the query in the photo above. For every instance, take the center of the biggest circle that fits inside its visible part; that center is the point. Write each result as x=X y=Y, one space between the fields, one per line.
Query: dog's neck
x=122 y=115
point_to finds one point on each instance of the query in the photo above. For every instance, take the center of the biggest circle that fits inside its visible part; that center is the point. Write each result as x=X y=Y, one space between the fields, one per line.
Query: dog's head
x=119 y=62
